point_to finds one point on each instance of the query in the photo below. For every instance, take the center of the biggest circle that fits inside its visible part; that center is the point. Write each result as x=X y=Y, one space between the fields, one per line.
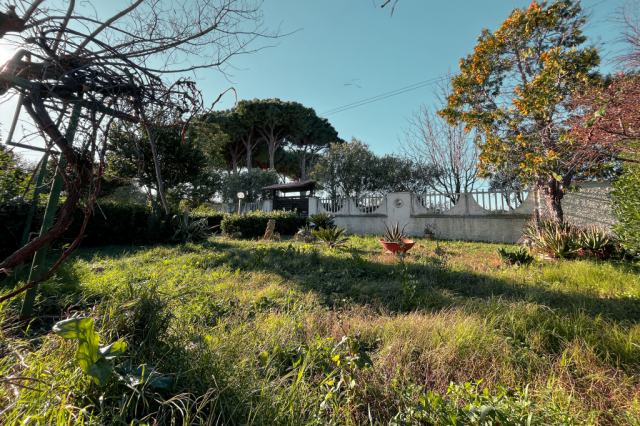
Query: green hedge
x=254 y=224
x=12 y=220
x=128 y=224
x=626 y=208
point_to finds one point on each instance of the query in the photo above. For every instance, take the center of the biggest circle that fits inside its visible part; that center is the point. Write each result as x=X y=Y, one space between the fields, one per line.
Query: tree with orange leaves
x=513 y=90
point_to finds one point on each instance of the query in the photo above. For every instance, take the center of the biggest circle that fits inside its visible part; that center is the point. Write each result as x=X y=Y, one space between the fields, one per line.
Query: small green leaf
x=486 y=410
x=602 y=111
x=73 y=328
x=100 y=371
x=113 y=350
x=143 y=374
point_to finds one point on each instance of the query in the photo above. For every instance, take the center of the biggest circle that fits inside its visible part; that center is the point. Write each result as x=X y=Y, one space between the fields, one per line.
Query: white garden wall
x=467 y=219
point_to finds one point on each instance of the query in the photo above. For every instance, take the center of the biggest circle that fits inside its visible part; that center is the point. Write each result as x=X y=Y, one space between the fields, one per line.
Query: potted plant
x=430 y=231
x=394 y=240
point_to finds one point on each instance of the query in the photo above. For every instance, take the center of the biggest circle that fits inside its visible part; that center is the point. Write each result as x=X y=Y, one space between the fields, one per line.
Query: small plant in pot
x=394 y=240
x=430 y=231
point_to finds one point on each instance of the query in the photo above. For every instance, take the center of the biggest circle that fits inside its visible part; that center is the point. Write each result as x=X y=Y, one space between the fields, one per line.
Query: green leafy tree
x=211 y=135
x=345 y=169
x=183 y=166
x=273 y=120
x=399 y=174
x=250 y=183
x=312 y=135
x=13 y=177
x=512 y=91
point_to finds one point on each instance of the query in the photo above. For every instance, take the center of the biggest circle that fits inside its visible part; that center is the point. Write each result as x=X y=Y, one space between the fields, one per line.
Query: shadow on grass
x=396 y=286
x=356 y=275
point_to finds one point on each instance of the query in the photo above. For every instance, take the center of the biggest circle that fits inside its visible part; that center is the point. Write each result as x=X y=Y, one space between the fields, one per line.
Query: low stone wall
x=467 y=220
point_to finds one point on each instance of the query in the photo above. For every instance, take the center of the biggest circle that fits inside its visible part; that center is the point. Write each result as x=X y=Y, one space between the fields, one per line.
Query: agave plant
x=558 y=239
x=331 y=237
x=305 y=234
x=559 y=242
x=322 y=220
x=393 y=234
x=518 y=256
x=594 y=238
x=188 y=228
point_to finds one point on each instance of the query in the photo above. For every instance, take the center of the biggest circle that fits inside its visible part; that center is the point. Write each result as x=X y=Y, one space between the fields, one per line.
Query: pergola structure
x=299 y=203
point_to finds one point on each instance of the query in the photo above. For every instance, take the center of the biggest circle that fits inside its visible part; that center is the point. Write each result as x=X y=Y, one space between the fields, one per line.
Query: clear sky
x=345 y=51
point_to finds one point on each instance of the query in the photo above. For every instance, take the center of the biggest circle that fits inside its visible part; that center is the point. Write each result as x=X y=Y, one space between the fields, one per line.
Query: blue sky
x=338 y=45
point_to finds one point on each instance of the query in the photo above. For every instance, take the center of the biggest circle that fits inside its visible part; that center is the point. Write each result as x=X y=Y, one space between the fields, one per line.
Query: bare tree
x=77 y=75
x=627 y=16
x=447 y=150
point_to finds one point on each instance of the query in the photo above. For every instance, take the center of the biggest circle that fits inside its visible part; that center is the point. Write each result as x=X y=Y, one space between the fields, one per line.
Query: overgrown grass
x=252 y=333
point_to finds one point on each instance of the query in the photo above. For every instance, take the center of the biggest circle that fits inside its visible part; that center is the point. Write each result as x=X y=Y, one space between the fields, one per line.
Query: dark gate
x=301 y=204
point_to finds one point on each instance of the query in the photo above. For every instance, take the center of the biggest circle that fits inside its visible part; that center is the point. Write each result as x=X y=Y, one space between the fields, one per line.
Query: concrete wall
x=591 y=205
x=467 y=220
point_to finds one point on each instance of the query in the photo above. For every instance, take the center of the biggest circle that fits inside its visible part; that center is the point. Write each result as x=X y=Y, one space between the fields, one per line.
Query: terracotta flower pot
x=397 y=247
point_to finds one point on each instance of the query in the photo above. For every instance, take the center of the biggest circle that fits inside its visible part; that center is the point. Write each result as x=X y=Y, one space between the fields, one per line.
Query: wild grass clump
x=242 y=332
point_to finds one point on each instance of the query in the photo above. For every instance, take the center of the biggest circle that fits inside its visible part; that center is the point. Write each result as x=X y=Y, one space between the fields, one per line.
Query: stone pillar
x=313 y=206
x=399 y=208
x=267 y=206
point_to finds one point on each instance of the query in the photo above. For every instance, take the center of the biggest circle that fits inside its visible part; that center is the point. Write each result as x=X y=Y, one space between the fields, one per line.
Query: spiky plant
x=322 y=220
x=189 y=229
x=331 y=237
x=305 y=234
x=520 y=256
x=393 y=234
x=594 y=238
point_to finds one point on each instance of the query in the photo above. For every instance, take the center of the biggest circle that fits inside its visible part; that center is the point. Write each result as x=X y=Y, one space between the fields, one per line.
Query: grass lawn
x=295 y=334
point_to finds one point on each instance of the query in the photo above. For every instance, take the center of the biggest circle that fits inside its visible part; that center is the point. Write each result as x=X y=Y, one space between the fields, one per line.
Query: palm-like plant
x=322 y=220
x=393 y=234
x=331 y=237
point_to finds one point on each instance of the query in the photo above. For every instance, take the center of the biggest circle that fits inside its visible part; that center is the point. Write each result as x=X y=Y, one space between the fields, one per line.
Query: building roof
x=292 y=186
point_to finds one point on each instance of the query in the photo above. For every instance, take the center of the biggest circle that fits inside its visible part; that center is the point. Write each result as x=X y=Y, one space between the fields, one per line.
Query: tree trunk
x=235 y=165
x=272 y=154
x=553 y=200
x=249 y=160
x=303 y=167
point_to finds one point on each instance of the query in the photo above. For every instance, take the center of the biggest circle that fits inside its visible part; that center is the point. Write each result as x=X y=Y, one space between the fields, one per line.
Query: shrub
x=119 y=224
x=564 y=240
x=518 y=256
x=626 y=208
x=214 y=218
x=470 y=404
x=253 y=224
x=595 y=239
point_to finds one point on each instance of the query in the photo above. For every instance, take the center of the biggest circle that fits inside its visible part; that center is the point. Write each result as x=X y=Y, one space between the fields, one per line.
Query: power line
x=382 y=96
